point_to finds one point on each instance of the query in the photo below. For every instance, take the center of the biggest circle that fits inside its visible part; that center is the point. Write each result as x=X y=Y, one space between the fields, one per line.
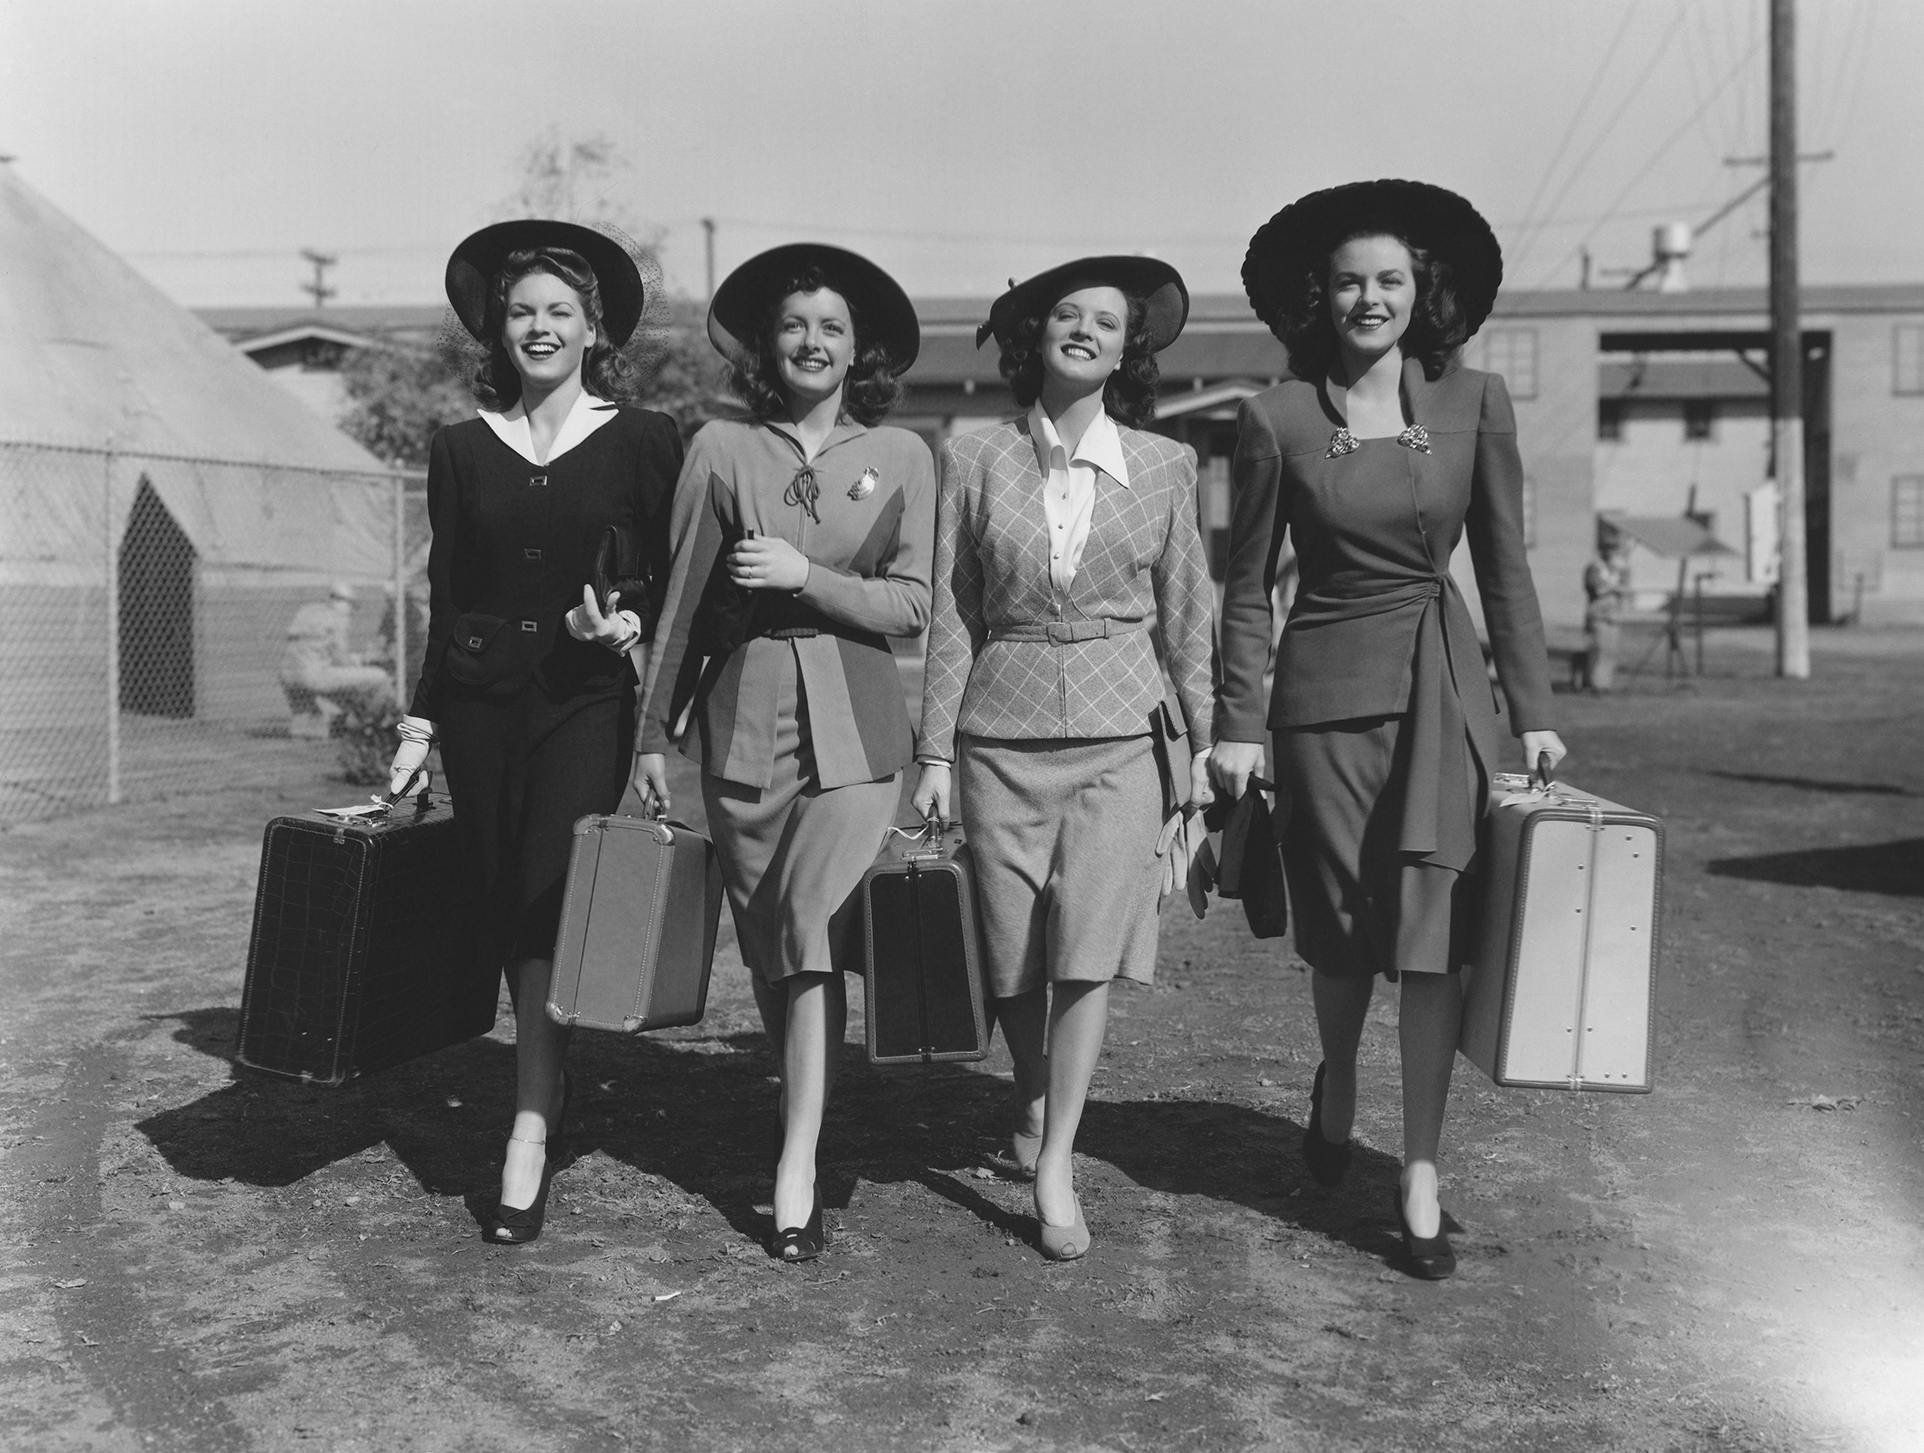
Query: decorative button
x=530 y=554
x=530 y=626
x=537 y=480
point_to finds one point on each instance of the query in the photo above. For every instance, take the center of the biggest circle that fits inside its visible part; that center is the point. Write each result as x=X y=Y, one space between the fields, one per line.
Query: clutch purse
x=618 y=568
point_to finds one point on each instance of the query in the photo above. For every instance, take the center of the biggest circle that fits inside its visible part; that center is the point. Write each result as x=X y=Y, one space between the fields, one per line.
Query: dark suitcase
x=637 y=926
x=362 y=955
x=922 y=948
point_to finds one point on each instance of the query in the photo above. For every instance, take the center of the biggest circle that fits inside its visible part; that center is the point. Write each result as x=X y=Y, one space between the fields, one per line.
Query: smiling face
x=545 y=331
x=814 y=343
x=1372 y=288
x=1083 y=338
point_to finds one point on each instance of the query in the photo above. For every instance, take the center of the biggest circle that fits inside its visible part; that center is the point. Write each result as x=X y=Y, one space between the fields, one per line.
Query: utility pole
x=1787 y=349
x=318 y=289
x=708 y=242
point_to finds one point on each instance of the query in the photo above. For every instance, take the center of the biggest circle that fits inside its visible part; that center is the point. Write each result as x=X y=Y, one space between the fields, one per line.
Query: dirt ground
x=198 y=1258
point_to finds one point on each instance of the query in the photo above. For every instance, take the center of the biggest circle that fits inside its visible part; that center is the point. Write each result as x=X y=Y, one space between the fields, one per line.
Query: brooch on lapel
x=865 y=486
x=1340 y=443
x=1415 y=437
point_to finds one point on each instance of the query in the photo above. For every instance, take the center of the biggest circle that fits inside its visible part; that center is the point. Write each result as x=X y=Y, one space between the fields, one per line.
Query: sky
x=957 y=142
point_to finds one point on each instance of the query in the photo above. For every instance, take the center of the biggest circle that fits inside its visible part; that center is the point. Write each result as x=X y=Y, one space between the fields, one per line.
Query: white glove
x=1175 y=846
x=417 y=736
x=619 y=630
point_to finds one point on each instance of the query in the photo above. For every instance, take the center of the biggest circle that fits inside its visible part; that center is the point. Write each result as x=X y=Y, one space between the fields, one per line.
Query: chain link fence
x=168 y=623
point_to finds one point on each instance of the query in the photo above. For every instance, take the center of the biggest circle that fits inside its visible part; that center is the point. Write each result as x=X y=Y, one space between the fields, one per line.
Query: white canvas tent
x=164 y=510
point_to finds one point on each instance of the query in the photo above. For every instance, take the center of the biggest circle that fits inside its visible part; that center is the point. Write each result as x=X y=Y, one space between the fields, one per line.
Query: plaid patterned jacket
x=1143 y=563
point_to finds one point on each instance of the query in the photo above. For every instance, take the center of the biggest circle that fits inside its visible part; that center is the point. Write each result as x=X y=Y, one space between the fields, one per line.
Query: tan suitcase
x=1563 y=978
x=638 y=923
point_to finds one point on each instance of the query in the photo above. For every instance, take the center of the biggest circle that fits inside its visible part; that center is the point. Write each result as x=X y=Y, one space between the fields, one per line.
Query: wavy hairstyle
x=1437 y=328
x=1130 y=394
x=870 y=389
x=606 y=372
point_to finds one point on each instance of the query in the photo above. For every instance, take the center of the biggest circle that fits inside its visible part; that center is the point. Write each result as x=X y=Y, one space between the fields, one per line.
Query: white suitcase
x=1564 y=974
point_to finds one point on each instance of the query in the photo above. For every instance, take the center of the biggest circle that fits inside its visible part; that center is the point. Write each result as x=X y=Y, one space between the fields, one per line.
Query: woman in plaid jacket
x=1065 y=540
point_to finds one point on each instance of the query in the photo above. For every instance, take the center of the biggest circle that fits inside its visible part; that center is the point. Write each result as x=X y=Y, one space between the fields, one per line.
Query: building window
x=1699 y=418
x=1512 y=352
x=1907 y=512
x=1610 y=420
x=1529 y=512
x=1907 y=358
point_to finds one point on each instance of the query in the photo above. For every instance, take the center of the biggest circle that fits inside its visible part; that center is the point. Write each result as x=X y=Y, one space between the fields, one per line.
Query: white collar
x=1100 y=446
x=587 y=414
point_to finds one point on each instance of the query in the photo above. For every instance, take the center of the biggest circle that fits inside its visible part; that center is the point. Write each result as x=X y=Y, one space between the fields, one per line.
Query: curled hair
x=606 y=372
x=1437 y=327
x=1129 y=396
x=870 y=389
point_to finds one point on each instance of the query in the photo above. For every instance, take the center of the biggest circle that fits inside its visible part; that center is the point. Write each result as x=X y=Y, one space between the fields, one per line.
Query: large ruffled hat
x=1160 y=287
x=745 y=295
x=635 y=311
x=1301 y=236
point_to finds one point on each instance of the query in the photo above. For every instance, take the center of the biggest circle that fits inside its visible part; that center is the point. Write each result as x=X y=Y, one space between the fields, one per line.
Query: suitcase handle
x=924 y=844
x=1542 y=773
x=387 y=801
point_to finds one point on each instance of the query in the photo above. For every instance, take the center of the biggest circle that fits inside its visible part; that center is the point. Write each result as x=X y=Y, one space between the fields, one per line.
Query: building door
x=157 y=563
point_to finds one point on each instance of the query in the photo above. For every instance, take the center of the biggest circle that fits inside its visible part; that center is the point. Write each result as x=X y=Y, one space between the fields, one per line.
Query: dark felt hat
x=479 y=257
x=745 y=295
x=1160 y=287
x=1303 y=234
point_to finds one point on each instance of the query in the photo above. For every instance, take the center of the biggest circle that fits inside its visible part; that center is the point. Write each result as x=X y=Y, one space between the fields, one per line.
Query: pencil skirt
x=521 y=773
x=793 y=852
x=1362 y=906
x=1063 y=837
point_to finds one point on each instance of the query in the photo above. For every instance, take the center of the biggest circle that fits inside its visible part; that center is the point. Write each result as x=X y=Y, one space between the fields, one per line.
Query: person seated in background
x=318 y=667
x=1606 y=587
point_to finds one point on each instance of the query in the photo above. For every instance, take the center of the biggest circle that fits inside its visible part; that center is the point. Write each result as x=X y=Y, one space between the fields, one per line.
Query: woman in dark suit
x=1066 y=540
x=801 y=544
x=526 y=684
x=1376 y=457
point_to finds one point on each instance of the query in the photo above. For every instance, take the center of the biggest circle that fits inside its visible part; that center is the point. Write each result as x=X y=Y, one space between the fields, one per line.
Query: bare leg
x=1078 y=1018
x=540 y=1045
x=1431 y=1010
x=817 y=1019
x=1025 y=1025
x=1342 y=1003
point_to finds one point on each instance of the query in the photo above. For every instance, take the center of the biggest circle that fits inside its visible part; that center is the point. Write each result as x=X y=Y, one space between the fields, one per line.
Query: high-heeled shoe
x=1429 y=1257
x=1328 y=1162
x=518 y=1225
x=1063 y=1243
x=801 y=1243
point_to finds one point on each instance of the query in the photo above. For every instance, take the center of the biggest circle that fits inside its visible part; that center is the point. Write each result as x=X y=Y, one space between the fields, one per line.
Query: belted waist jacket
x=1378 y=627
x=1010 y=656
x=862 y=511
x=516 y=541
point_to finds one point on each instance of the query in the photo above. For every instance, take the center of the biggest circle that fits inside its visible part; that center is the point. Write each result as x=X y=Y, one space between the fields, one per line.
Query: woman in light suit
x=1060 y=535
x=801 y=542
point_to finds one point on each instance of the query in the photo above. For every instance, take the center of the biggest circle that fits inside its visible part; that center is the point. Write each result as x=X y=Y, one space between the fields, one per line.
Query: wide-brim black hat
x=1159 y=286
x=480 y=256
x=1301 y=237
x=742 y=301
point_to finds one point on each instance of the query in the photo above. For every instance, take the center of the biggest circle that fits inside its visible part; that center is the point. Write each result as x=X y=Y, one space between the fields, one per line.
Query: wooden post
x=1787 y=356
x=110 y=559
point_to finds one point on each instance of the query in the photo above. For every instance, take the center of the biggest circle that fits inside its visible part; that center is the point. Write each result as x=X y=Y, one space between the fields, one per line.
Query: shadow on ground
x=1893 y=868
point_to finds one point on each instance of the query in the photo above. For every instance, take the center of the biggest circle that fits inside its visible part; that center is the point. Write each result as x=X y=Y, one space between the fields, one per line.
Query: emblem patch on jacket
x=865 y=486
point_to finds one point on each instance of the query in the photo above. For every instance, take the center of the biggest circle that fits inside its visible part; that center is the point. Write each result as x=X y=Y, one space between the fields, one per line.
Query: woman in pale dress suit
x=1376 y=458
x=1065 y=538
x=801 y=544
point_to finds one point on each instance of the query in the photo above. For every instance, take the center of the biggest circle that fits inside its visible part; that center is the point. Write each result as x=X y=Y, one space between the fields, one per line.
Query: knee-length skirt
x=1063 y=837
x=792 y=852
x=1361 y=906
x=521 y=773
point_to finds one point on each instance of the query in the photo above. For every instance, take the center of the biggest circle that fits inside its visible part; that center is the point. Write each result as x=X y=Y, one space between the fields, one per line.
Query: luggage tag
x=382 y=804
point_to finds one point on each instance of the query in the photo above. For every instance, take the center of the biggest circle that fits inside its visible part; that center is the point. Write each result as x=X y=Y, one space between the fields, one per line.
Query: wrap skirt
x=1362 y=906
x=1063 y=837
x=793 y=852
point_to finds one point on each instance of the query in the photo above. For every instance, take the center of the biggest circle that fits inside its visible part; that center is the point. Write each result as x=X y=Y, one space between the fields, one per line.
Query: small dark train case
x=923 y=949
x=362 y=954
x=638 y=923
